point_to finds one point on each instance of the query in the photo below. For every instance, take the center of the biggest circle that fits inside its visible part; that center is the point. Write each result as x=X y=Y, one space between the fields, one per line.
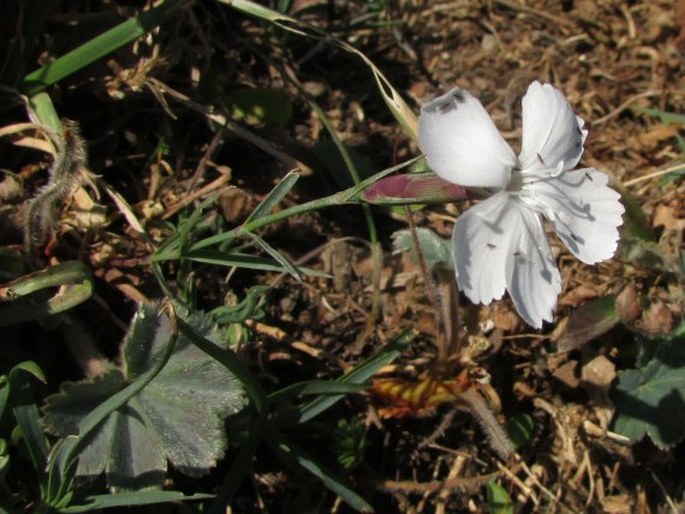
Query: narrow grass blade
x=241 y=465
x=278 y=256
x=60 y=471
x=27 y=414
x=98 y=47
x=664 y=116
x=42 y=112
x=26 y=298
x=240 y=260
x=315 y=387
x=228 y=359
x=358 y=375
x=290 y=453
x=129 y=499
x=274 y=197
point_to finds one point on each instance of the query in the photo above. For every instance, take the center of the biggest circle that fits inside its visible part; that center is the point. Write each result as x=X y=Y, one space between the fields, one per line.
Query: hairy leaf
x=178 y=417
x=436 y=251
x=650 y=400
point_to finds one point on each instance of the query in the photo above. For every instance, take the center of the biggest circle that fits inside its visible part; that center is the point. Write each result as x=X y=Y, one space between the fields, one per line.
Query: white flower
x=501 y=243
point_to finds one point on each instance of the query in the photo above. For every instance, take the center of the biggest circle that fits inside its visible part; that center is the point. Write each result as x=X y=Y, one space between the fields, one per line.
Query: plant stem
x=346 y=196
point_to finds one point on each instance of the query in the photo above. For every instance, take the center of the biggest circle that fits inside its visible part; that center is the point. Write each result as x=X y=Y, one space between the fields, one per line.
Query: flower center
x=516 y=181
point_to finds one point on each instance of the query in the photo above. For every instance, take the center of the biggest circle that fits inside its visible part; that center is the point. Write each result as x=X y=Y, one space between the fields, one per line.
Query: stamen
x=459 y=96
x=446 y=106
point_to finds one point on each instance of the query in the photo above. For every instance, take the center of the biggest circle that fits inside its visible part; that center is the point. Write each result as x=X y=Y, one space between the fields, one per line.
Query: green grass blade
x=240 y=260
x=664 y=116
x=358 y=375
x=278 y=256
x=230 y=361
x=290 y=453
x=315 y=387
x=129 y=499
x=43 y=112
x=98 y=47
x=241 y=465
x=274 y=197
x=60 y=472
x=28 y=301
x=27 y=414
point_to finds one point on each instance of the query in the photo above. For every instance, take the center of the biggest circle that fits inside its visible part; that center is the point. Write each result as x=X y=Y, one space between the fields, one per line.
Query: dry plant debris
x=167 y=127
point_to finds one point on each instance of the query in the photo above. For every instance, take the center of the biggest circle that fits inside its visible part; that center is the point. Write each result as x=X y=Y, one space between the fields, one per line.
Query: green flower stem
x=351 y=195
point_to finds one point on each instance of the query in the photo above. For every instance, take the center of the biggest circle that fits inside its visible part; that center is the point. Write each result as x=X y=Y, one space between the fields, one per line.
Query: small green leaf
x=4 y=458
x=315 y=387
x=26 y=412
x=349 y=443
x=499 y=501
x=241 y=260
x=650 y=400
x=277 y=256
x=588 y=321
x=247 y=309
x=520 y=429
x=635 y=223
x=43 y=111
x=645 y=254
x=437 y=251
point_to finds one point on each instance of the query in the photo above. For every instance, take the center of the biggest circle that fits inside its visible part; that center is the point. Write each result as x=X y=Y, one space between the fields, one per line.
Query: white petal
x=533 y=279
x=584 y=212
x=481 y=241
x=500 y=244
x=553 y=135
x=462 y=144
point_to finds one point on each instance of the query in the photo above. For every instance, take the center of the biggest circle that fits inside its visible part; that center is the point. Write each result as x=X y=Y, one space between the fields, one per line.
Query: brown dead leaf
x=85 y=213
x=504 y=318
x=11 y=188
x=658 y=319
x=236 y=205
x=586 y=9
x=568 y=374
x=628 y=305
x=680 y=23
x=617 y=504
x=599 y=373
x=651 y=139
x=667 y=216
x=578 y=295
